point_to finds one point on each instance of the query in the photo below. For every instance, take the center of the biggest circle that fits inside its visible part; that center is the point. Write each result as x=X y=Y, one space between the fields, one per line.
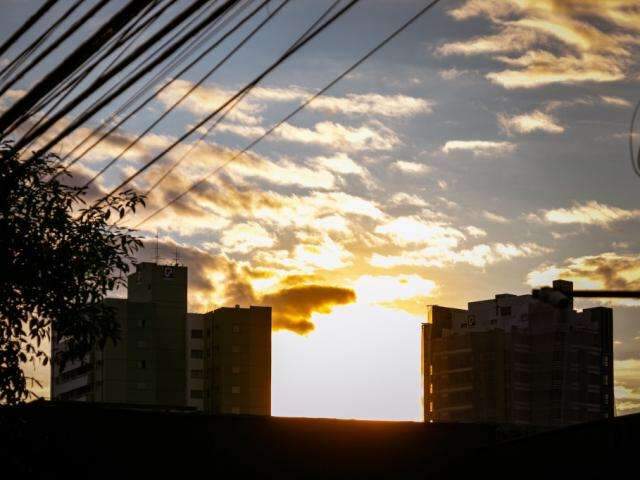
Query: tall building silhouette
x=515 y=359
x=163 y=357
x=147 y=365
x=238 y=360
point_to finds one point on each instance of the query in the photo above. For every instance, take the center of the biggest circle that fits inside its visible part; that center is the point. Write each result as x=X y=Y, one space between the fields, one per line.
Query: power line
x=255 y=81
x=30 y=22
x=146 y=87
x=232 y=106
x=107 y=76
x=197 y=84
x=62 y=91
x=118 y=84
x=127 y=82
x=54 y=44
x=22 y=56
x=65 y=68
x=89 y=69
x=370 y=53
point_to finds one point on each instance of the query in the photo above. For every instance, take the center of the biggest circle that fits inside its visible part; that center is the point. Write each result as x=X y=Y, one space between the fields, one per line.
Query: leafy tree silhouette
x=58 y=260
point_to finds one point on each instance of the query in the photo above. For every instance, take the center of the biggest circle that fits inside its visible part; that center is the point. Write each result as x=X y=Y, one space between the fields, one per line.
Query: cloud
x=412 y=230
x=569 y=42
x=293 y=307
x=244 y=237
x=494 y=217
x=368 y=137
x=589 y=213
x=452 y=73
x=615 y=101
x=341 y=163
x=627 y=385
x=540 y=68
x=509 y=40
x=217 y=280
x=530 y=122
x=479 y=147
x=607 y=270
x=388 y=288
x=410 y=167
x=204 y=100
x=406 y=199
x=480 y=255
x=475 y=231
x=373 y=104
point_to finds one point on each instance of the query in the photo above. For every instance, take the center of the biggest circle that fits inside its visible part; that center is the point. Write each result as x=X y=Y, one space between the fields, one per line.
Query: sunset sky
x=483 y=151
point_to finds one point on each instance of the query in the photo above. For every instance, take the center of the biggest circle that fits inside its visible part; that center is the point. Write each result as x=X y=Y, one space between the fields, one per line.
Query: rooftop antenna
x=157 y=248
x=176 y=254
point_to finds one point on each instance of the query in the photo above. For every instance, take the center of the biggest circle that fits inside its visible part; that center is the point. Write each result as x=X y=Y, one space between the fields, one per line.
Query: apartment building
x=165 y=358
x=147 y=365
x=516 y=359
x=238 y=360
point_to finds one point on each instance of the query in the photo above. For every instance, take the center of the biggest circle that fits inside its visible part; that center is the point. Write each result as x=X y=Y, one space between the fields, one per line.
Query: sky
x=483 y=151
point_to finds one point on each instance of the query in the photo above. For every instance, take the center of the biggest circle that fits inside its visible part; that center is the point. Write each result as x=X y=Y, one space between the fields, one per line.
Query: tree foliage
x=59 y=258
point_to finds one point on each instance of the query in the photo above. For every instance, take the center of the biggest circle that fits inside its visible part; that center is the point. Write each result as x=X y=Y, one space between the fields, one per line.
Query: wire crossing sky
x=484 y=150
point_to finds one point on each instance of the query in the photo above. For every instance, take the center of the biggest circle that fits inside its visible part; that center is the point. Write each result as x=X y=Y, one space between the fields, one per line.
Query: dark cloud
x=292 y=304
x=292 y=307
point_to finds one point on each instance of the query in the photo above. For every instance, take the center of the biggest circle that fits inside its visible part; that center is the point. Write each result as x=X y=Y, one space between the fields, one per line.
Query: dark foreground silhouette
x=65 y=440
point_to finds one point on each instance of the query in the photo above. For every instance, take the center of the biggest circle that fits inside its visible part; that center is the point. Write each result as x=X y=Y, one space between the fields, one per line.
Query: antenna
x=157 y=248
x=176 y=254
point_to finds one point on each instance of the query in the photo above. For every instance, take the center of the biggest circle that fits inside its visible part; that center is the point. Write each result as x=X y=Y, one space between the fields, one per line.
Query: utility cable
x=197 y=84
x=129 y=81
x=204 y=134
x=22 y=57
x=255 y=81
x=370 y=53
x=66 y=67
x=54 y=44
x=29 y=22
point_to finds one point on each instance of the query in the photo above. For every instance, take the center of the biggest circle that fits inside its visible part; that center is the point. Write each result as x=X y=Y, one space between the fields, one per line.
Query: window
x=142 y=322
x=141 y=386
x=605 y=379
x=196 y=333
x=196 y=394
x=236 y=329
x=235 y=370
x=195 y=373
x=505 y=311
x=195 y=353
x=235 y=389
x=235 y=410
x=605 y=360
x=235 y=348
x=142 y=364
x=141 y=344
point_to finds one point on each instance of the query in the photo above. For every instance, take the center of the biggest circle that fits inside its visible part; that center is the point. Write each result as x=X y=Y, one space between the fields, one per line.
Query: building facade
x=163 y=357
x=238 y=360
x=147 y=365
x=515 y=359
x=195 y=360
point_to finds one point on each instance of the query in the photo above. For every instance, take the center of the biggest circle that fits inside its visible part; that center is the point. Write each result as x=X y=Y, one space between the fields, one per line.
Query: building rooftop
x=70 y=440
